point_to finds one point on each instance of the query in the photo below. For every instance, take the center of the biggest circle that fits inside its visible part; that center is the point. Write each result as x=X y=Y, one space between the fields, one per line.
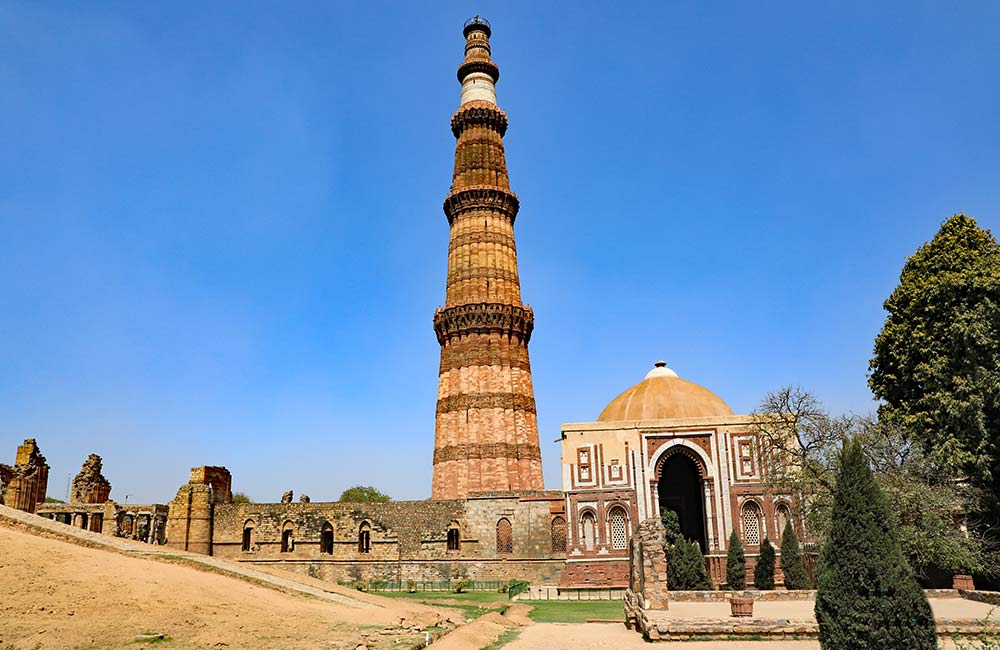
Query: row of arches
x=325 y=537
x=504 y=535
x=682 y=488
x=752 y=520
x=616 y=530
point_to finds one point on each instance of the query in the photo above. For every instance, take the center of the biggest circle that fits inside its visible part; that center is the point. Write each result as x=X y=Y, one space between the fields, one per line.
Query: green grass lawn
x=543 y=611
x=465 y=596
x=479 y=602
x=574 y=611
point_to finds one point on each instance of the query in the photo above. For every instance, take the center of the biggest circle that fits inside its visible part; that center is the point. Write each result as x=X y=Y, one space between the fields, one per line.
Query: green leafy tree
x=686 y=566
x=736 y=564
x=364 y=494
x=792 y=564
x=868 y=597
x=804 y=441
x=763 y=572
x=241 y=497
x=936 y=362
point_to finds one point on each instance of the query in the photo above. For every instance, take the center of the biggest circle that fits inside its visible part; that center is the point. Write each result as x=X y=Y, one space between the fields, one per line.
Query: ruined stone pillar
x=25 y=483
x=189 y=522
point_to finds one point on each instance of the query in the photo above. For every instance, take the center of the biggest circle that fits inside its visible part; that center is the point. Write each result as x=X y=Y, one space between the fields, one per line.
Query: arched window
x=558 y=535
x=248 y=535
x=288 y=537
x=326 y=539
x=588 y=530
x=618 y=521
x=781 y=518
x=751 y=523
x=505 y=536
x=365 y=538
x=454 y=537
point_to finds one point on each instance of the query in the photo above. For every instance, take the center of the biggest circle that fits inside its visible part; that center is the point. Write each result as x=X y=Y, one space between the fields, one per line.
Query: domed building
x=664 y=443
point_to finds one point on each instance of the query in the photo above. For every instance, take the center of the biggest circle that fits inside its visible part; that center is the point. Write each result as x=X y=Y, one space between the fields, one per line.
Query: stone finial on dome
x=660 y=370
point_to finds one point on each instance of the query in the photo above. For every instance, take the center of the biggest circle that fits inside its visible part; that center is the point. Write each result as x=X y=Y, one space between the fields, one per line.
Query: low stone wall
x=660 y=626
x=988 y=597
x=543 y=592
x=723 y=596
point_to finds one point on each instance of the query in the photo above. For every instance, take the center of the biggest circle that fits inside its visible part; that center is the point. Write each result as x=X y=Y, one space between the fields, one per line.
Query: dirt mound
x=56 y=594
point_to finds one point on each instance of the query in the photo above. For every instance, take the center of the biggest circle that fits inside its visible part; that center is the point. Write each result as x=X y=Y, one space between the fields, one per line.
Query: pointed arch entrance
x=680 y=489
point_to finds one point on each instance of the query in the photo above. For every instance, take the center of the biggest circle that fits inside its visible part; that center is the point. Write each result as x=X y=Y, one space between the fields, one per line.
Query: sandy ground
x=55 y=594
x=943 y=608
x=614 y=636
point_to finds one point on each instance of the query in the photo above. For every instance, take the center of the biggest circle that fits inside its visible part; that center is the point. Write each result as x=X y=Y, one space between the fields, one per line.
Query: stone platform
x=791 y=619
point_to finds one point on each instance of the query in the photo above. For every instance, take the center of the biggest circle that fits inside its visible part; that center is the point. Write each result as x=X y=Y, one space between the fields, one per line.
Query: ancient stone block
x=90 y=486
x=24 y=484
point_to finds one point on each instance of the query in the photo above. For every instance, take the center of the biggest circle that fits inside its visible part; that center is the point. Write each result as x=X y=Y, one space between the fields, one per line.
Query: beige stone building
x=665 y=443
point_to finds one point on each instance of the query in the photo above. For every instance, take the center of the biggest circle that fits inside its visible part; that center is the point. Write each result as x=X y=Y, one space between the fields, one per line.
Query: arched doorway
x=680 y=490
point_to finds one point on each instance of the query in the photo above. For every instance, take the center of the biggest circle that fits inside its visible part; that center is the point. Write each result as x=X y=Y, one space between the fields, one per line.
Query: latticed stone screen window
x=558 y=535
x=751 y=524
x=505 y=537
x=619 y=529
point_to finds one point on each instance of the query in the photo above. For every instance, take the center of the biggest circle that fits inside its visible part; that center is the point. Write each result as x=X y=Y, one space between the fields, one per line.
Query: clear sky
x=221 y=235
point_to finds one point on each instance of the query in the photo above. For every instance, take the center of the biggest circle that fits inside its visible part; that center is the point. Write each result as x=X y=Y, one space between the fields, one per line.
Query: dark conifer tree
x=868 y=596
x=763 y=573
x=686 y=566
x=736 y=564
x=791 y=560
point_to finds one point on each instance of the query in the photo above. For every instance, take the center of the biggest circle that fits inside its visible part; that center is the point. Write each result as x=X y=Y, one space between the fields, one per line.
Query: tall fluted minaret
x=486 y=434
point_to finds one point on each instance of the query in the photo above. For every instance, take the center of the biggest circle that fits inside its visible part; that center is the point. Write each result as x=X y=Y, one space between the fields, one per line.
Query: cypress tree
x=686 y=567
x=791 y=560
x=868 y=596
x=736 y=564
x=763 y=573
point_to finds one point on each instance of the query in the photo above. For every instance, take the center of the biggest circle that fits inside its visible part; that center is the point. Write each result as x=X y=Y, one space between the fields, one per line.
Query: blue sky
x=221 y=236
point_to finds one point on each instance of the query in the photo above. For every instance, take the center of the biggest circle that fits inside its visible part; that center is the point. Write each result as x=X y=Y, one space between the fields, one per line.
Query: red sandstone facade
x=486 y=433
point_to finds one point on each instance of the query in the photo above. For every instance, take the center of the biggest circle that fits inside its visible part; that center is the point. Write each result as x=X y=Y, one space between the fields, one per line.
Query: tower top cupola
x=478 y=73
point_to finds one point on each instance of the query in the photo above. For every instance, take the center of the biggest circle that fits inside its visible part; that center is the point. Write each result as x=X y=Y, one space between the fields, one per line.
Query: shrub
x=867 y=594
x=460 y=585
x=686 y=566
x=736 y=564
x=791 y=560
x=763 y=573
x=411 y=586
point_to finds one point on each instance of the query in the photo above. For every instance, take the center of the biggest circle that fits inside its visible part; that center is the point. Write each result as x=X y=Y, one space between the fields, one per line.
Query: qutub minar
x=486 y=433
x=665 y=443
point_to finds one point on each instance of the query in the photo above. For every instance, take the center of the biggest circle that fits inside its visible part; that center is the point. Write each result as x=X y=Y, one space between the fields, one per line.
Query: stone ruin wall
x=191 y=512
x=90 y=486
x=408 y=539
x=25 y=483
x=647 y=590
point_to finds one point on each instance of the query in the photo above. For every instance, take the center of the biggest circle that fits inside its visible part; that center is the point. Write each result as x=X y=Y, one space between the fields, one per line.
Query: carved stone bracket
x=479 y=113
x=488 y=237
x=466 y=401
x=487 y=450
x=479 y=197
x=478 y=65
x=484 y=318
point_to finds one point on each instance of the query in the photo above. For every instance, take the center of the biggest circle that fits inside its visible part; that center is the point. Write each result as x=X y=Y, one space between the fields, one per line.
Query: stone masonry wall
x=409 y=539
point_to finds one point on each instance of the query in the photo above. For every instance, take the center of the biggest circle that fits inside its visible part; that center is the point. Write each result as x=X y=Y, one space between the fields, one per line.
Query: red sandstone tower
x=486 y=433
